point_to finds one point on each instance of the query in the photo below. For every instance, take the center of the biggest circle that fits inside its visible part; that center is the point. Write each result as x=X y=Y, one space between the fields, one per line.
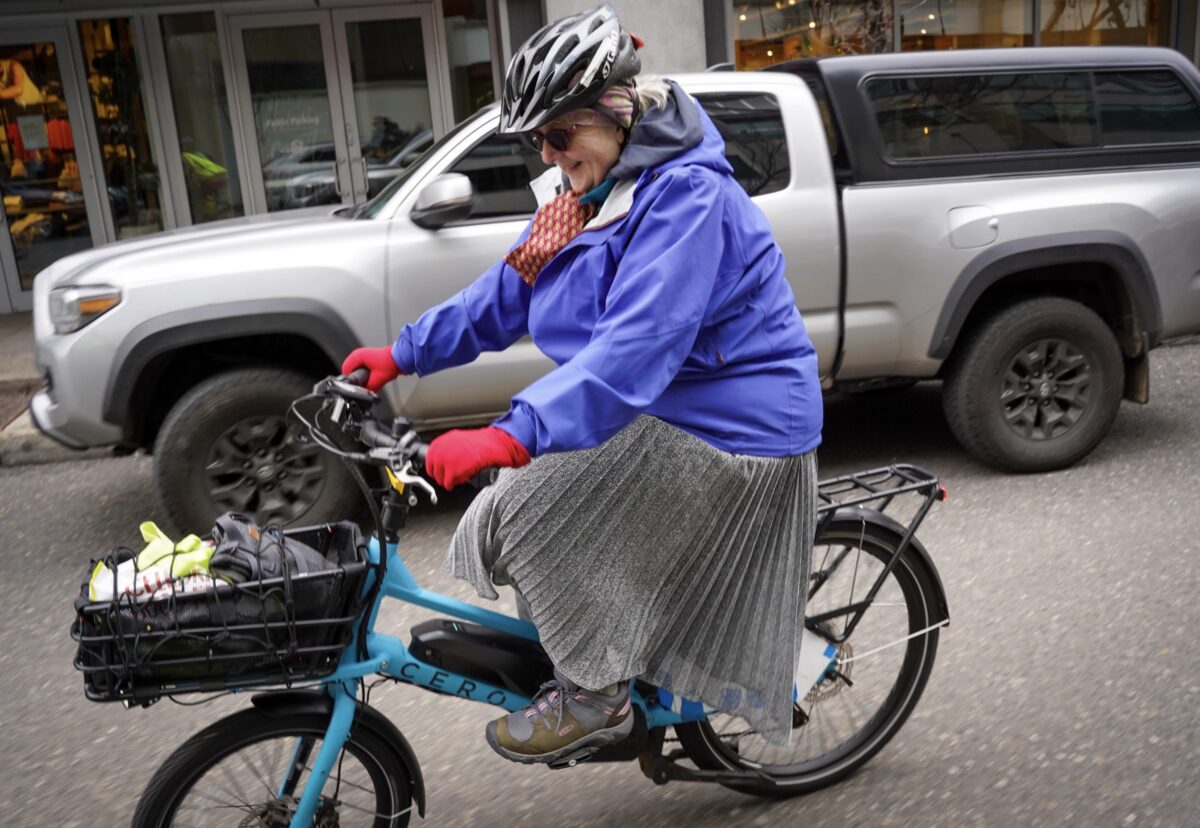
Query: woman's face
x=593 y=151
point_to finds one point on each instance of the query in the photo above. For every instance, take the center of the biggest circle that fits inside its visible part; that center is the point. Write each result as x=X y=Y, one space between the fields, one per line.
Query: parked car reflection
x=306 y=178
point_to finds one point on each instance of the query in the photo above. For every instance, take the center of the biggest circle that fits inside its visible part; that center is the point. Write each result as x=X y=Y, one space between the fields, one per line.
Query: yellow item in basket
x=160 y=561
x=190 y=556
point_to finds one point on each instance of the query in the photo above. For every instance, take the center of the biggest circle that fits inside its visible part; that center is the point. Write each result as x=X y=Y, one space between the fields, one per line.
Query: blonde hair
x=652 y=92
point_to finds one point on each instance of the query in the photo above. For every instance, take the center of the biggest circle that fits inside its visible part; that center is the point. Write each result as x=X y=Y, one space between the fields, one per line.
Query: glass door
x=334 y=104
x=290 y=111
x=49 y=193
x=391 y=88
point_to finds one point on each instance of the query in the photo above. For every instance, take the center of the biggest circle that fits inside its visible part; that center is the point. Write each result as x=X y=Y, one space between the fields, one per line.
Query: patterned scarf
x=556 y=223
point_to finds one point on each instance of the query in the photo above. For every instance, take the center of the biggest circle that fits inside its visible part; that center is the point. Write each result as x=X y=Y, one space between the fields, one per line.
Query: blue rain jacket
x=678 y=309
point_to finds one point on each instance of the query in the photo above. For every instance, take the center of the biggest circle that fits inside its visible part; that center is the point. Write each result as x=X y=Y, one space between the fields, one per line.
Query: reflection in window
x=469 y=50
x=977 y=114
x=391 y=96
x=1147 y=107
x=202 y=115
x=39 y=173
x=755 y=143
x=771 y=31
x=965 y=24
x=130 y=174
x=500 y=168
x=1100 y=22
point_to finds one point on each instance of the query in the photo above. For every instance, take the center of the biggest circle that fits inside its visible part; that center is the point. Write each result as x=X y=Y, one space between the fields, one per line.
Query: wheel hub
x=1046 y=389
x=278 y=813
x=255 y=467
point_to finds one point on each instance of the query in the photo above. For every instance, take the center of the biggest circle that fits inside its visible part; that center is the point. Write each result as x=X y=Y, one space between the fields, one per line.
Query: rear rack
x=873 y=490
x=878 y=487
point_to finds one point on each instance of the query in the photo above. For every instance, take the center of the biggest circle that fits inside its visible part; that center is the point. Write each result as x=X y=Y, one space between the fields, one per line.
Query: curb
x=21 y=444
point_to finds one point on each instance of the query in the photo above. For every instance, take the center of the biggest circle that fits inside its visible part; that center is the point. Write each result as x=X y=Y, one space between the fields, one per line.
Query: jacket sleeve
x=652 y=315
x=488 y=315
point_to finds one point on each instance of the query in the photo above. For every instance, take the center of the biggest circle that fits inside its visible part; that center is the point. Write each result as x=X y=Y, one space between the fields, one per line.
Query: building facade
x=119 y=120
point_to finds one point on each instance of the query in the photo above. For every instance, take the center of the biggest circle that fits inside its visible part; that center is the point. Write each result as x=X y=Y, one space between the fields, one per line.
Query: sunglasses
x=560 y=139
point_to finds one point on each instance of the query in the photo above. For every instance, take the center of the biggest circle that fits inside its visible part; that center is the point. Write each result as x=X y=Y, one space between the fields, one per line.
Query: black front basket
x=266 y=632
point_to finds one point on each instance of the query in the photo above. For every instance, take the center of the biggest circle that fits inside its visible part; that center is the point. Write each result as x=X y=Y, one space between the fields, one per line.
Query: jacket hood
x=678 y=133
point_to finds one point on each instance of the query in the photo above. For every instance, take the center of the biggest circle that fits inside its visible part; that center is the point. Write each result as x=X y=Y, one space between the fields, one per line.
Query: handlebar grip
x=359 y=376
x=485 y=478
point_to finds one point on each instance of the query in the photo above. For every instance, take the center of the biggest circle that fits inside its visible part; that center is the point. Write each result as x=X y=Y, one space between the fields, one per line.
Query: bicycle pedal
x=573 y=759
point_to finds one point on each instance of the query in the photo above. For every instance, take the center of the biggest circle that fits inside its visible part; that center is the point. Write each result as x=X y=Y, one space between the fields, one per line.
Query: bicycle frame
x=389 y=656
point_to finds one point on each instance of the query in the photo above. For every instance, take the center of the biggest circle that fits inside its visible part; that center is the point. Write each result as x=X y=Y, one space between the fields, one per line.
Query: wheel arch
x=165 y=356
x=1103 y=270
x=284 y=703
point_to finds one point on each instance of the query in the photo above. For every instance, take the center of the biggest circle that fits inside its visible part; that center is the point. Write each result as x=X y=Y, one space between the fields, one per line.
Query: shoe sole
x=596 y=739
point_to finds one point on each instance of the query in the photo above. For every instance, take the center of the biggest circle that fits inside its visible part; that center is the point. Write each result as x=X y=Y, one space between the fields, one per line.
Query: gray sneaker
x=564 y=719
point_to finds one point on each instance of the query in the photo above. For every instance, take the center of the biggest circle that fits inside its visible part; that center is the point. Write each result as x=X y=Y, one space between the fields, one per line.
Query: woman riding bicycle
x=664 y=525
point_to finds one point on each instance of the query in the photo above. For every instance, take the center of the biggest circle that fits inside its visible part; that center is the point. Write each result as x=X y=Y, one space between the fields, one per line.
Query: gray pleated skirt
x=656 y=555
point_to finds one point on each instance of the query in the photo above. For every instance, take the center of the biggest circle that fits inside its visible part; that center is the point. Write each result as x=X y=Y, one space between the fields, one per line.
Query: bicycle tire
x=878 y=538
x=206 y=750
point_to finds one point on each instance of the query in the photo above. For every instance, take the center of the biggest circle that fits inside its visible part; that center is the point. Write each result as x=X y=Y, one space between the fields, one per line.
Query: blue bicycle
x=320 y=755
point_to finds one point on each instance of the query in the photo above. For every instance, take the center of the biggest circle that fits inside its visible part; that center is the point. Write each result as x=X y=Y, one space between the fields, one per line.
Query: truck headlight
x=73 y=307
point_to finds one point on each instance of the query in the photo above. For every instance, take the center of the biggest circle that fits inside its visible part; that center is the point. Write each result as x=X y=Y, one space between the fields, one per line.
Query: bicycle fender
x=283 y=703
x=940 y=611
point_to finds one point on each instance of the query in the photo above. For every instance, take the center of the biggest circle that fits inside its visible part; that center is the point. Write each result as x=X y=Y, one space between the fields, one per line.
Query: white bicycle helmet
x=566 y=65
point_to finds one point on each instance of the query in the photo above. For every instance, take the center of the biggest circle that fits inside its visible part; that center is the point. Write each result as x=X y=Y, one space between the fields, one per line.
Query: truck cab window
x=755 y=142
x=500 y=168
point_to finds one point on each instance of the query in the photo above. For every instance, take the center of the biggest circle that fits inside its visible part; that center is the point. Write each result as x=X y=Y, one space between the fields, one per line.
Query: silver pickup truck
x=1023 y=224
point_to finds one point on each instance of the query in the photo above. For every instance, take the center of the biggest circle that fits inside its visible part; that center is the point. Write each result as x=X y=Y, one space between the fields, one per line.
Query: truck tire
x=1036 y=386
x=225 y=446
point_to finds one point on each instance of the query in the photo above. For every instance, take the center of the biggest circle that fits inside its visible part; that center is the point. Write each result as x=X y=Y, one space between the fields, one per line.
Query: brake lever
x=408 y=477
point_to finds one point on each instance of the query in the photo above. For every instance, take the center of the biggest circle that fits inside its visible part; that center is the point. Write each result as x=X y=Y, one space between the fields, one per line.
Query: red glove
x=457 y=456
x=378 y=361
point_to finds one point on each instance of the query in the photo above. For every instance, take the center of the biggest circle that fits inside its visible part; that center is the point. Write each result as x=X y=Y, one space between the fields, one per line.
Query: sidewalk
x=20 y=442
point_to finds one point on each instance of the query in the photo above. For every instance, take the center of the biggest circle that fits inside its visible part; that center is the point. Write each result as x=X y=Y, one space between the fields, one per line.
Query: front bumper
x=53 y=420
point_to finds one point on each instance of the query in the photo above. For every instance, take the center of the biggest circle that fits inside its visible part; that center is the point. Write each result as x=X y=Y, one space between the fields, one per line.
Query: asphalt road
x=1066 y=692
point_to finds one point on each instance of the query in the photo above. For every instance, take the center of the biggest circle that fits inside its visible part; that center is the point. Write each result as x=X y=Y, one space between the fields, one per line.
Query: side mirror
x=447 y=198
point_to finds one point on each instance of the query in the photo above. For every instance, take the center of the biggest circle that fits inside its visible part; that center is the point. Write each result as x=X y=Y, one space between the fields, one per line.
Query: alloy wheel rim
x=1046 y=389
x=255 y=467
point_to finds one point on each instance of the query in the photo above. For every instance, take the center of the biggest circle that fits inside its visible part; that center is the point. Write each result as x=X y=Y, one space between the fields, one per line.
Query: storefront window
x=965 y=24
x=771 y=31
x=202 y=116
x=130 y=175
x=1100 y=22
x=39 y=173
x=469 y=50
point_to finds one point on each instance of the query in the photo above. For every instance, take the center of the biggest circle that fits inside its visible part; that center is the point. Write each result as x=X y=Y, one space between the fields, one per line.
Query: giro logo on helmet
x=603 y=61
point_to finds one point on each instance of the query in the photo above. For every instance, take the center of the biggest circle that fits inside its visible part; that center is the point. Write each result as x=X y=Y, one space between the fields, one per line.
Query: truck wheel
x=225 y=447
x=1036 y=387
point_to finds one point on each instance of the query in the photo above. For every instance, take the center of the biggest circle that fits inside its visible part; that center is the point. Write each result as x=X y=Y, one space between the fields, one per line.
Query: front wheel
x=848 y=716
x=225 y=447
x=250 y=769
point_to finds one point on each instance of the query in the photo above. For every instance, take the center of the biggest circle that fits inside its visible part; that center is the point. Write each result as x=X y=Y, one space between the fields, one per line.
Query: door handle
x=337 y=180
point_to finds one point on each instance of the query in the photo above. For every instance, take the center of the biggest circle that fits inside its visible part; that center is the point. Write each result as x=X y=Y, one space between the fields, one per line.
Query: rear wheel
x=251 y=768
x=845 y=719
x=1036 y=387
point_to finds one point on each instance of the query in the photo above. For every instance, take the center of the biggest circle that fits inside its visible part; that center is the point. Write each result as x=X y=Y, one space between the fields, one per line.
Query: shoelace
x=551 y=696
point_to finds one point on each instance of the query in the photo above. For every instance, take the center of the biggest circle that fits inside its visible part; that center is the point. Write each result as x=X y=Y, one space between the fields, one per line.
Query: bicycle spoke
x=248 y=760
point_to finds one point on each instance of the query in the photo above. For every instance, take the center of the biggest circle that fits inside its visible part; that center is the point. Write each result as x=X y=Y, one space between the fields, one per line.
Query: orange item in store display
x=59 y=132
